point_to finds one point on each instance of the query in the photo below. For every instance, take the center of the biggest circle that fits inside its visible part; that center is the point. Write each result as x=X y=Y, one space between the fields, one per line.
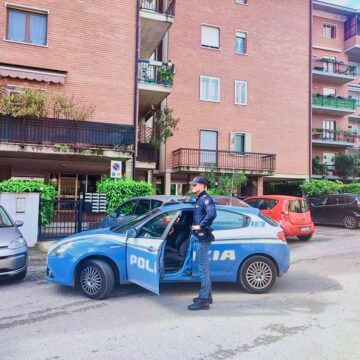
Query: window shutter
x=210 y=36
x=232 y=141
x=248 y=142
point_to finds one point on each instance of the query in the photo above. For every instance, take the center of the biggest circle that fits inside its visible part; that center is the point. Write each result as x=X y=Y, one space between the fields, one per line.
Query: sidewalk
x=43 y=246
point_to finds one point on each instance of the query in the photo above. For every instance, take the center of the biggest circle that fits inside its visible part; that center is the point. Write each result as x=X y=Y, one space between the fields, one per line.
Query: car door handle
x=152 y=249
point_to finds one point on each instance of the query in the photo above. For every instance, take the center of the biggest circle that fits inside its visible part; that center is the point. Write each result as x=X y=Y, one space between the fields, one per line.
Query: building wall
x=94 y=41
x=276 y=69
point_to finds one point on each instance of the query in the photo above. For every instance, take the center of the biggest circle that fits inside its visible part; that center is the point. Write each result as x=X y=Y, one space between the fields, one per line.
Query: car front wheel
x=350 y=222
x=257 y=274
x=96 y=279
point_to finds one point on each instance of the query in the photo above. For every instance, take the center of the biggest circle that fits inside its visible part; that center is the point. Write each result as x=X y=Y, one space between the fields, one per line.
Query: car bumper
x=298 y=230
x=58 y=271
x=13 y=262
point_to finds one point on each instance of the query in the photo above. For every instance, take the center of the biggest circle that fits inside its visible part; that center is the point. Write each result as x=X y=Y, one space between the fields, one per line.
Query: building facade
x=336 y=83
x=241 y=91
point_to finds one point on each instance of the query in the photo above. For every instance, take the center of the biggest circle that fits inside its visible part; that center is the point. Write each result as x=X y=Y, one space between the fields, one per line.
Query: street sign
x=116 y=169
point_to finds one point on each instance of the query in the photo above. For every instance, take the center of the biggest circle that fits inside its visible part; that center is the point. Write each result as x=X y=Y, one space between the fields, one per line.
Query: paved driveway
x=311 y=313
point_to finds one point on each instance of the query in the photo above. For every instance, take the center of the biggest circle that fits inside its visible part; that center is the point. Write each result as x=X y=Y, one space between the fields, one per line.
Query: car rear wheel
x=257 y=274
x=96 y=279
x=349 y=222
x=305 y=237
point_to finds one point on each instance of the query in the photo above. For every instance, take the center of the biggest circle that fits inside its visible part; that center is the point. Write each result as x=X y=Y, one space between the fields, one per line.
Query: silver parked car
x=13 y=248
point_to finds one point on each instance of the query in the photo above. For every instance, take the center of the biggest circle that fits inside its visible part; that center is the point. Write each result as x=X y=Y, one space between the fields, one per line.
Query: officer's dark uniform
x=204 y=215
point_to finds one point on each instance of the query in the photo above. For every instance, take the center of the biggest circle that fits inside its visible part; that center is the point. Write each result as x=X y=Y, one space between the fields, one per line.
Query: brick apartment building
x=242 y=87
x=336 y=82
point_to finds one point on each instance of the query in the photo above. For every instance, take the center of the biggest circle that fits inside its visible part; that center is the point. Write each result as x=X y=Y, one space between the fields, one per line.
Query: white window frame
x=200 y=87
x=246 y=41
x=235 y=92
x=324 y=34
x=241 y=2
x=210 y=46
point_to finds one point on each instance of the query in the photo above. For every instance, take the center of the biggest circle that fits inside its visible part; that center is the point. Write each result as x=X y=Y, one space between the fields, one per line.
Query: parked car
x=291 y=212
x=343 y=210
x=136 y=207
x=13 y=248
x=249 y=249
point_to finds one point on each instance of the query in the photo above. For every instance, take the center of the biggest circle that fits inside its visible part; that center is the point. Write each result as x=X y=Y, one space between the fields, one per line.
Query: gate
x=60 y=218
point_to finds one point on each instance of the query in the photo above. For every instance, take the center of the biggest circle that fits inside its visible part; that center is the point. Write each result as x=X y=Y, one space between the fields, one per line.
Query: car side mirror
x=131 y=233
x=19 y=223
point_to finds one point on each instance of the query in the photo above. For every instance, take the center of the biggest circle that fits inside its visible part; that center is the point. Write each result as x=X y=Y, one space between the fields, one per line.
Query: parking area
x=311 y=313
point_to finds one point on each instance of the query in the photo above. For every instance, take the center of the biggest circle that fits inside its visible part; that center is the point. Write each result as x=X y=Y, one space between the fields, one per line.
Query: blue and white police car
x=249 y=249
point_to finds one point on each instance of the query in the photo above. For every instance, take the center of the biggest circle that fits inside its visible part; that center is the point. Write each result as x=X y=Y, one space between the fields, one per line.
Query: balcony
x=333 y=71
x=196 y=160
x=155 y=19
x=335 y=138
x=155 y=80
x=332 y=105
x=77 y=134
x=352 y=38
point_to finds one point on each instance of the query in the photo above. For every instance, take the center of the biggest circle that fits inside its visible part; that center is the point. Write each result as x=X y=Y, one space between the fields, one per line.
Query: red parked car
x=291 y=212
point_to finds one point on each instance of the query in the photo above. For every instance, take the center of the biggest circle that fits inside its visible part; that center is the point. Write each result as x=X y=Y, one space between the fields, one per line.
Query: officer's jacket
x=205 y=211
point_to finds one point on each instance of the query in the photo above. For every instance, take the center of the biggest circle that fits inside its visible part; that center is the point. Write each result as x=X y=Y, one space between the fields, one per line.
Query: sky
x=350 y=3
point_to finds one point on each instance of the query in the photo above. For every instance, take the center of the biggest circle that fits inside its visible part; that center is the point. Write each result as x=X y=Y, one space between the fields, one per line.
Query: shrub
x=321 y=187
x=48 y=193
x=120 y=190
x=317 y=167
x=347 y=164
x=224 y=184
x=353 y=188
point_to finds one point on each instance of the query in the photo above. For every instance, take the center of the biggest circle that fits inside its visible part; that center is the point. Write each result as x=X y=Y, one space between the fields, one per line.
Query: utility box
x=23 y=207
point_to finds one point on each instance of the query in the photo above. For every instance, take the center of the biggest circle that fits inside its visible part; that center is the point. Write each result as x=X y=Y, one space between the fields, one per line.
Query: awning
x=36 y=74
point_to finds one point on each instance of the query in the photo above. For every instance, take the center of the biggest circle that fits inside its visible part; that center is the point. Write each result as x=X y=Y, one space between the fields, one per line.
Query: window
x=240 y=92
x=126 y=209
x=209 y=88
x=253 y=203
x=240 y=42
x=298 y=206
x=210 y=37
x=226 y=220
x=267 y=204
x=27 y=27
x=329 y=31
x=239 y=143
x=329 y=91
x=143 y=206
x=242 y=2
x=156 y=227
x=5 y=221
x=155 y=204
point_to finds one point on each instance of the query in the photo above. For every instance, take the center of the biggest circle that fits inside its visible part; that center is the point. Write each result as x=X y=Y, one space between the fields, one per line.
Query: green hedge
x=326 y=187
x=47 y=192
x=120 y=190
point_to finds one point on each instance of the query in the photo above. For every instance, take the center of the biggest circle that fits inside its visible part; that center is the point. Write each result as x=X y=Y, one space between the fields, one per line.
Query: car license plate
x=306 y=228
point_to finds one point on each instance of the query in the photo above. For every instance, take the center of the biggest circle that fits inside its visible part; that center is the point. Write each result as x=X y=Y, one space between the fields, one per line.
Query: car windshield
x=298 y=206
x=5 y=221
x=122 y=229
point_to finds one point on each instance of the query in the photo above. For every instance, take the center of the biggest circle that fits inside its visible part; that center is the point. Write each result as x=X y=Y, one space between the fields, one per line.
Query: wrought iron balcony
x=333 y=71
x=158 y=7
x=334 y=137
x=333 y=105
x=198 y=160
x=56 y=131
x=155 y=72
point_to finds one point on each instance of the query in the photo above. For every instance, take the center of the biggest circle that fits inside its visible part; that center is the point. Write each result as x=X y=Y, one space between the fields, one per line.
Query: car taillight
x=281 y=236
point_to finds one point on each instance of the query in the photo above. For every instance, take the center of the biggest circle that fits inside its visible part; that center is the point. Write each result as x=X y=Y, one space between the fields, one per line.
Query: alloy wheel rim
x=90 y=280
x=259 y=275
x=349 y=222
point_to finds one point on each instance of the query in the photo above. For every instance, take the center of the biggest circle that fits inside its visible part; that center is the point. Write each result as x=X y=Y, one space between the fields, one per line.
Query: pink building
x=336 y=85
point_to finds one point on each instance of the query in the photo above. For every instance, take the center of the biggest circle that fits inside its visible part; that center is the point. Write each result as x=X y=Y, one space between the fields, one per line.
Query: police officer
x=204 y=215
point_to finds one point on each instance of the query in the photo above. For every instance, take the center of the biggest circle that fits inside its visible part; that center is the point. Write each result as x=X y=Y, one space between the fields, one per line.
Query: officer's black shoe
x=210 y=299
x=201 y=304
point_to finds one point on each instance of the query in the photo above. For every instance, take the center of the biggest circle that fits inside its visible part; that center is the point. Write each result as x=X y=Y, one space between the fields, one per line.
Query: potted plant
x=165 y=76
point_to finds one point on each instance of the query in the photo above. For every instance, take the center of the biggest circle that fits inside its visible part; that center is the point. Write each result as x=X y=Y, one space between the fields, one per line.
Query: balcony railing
x=334 y=135
x=352 y=26
x=146 y=153
x=334 y=67
x=333 y=102
x=152 y=73
x=158 y=6
x=74 y=133
x=196 y=158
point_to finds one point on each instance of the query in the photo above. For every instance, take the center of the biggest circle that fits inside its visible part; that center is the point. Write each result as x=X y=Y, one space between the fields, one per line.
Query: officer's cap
x=199 y=180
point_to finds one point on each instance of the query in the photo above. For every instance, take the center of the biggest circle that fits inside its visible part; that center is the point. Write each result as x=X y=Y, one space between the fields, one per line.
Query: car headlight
x=17 y=243
x=60 y=249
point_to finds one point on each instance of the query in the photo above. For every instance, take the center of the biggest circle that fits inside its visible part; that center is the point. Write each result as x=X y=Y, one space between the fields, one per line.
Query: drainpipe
x=310 y=87
x=137 y=32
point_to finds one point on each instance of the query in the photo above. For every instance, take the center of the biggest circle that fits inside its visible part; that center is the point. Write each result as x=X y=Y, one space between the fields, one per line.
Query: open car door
x=145 y=251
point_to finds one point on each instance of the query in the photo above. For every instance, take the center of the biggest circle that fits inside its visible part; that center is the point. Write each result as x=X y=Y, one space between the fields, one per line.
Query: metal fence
x=334 y=67
x=152 y=73
x=158 y=6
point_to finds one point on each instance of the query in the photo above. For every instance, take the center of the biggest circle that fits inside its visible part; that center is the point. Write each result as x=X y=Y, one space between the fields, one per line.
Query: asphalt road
x=311 y=313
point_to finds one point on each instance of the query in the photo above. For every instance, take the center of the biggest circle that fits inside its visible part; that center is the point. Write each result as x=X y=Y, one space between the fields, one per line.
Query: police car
x=249 y=249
